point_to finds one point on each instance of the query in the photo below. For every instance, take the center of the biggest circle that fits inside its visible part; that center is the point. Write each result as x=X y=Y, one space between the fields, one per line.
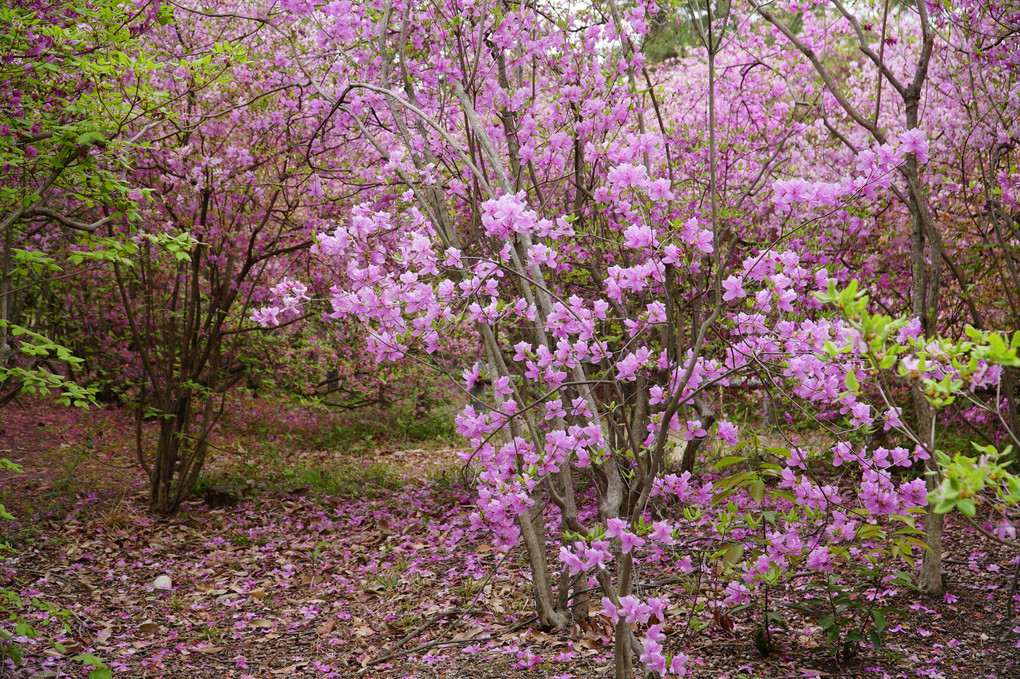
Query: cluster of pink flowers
x=288 y=297
x=874 y=167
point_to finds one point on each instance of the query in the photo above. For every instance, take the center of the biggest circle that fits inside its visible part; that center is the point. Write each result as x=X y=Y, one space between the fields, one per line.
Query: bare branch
x=60 y=218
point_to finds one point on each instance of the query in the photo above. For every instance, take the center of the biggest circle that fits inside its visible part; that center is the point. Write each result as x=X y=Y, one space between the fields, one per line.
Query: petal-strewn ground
x=348 y=558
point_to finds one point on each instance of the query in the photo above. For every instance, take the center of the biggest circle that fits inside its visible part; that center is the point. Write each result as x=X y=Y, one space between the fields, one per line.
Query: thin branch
x=38 y=211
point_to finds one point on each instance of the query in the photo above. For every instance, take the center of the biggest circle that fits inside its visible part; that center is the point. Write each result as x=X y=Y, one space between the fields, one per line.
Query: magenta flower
x=614 y=527
x=571 y=561
x=626 y=369
x=842 y=452
x=660 y=190
x=705 y=241
x=695 y=430
x=638 y=237
x=734 y=288
x=892 y=418
x=598 y=555
x=861 y=415
x=728 y=432
x=678 y=665
x=819 y=558
x=915 y=141
x=913 y=494
x=662 y=533
x=632 y=610
x=651 y=656
x=626 y=175
x=736 y=594
x=630 y=541
x=656 y=610
x=610 y=611
x=900 y=456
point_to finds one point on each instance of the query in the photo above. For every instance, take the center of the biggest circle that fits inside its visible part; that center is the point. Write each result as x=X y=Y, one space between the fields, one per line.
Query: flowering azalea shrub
x=616 y=288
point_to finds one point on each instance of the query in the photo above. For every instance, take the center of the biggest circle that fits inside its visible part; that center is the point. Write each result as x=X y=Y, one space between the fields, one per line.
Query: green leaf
x=869 y=531
x=732 y=555
x=758 y=491
x=1013 y=483
x=727 y=461
x=89 y=660
x=88 y=137
x=785 y=494
x=11 y=466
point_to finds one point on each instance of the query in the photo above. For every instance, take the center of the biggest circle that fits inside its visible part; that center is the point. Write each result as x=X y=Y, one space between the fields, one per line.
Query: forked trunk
x=162 y=474
x=174 y=472
x=550 y=616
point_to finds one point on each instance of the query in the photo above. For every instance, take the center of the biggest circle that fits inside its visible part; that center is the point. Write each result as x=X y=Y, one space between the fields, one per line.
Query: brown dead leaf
x=539 y=636
x=290 y=669
x=588 y=646
x=808 y=641
x=469 y=633
x=148 y=627
x=326 y=627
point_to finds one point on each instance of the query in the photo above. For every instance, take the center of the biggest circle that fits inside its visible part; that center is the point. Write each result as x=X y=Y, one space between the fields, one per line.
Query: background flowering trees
x=77 y=102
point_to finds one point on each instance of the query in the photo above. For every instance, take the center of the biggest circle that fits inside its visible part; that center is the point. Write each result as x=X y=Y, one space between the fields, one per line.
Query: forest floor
x=351 y=554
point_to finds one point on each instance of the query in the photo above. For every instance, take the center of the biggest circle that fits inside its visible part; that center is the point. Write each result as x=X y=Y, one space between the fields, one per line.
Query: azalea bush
x=611 y=296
